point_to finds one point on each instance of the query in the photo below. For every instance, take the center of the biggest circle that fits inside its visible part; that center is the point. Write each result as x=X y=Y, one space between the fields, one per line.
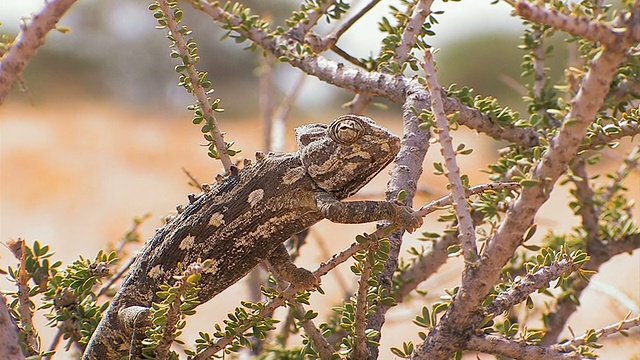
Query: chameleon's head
x=342 y=157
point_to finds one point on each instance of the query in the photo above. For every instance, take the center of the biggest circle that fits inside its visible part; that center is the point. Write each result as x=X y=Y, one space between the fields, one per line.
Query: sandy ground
x=75 y=177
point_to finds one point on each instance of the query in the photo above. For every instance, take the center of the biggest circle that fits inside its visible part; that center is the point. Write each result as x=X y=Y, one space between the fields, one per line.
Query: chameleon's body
x=241 y=221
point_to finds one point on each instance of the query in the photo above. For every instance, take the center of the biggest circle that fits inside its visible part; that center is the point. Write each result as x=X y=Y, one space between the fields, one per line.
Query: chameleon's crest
x=342 y=157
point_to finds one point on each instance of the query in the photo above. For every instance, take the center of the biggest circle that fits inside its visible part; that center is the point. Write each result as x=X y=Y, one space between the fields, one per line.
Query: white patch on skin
x=216 y=219
x=385 y=147
x=238 y=243
x=213 y=268
x=267 y=227
x=255 y=197
x=187 y=242
x=293 y=175
x=155 y=272
x=360 y=154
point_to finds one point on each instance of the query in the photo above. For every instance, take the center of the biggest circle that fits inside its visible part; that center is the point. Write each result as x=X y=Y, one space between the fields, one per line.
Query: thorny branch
x=26 y=306
x=620 y=327
x=497 y=345
x=360 y=350
x=590 y=30
x=477 y=282
x=528 y=285
x=9 y=346
x=31 y=37
x=394 y=88
x=405 y=173
x=197 y=88
x=465 y=223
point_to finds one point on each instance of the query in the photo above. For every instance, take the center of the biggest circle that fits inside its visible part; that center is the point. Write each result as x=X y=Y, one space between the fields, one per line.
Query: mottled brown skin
x=241 y=222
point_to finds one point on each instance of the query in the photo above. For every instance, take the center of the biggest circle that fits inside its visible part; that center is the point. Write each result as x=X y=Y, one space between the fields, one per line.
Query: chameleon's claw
x=407 y=220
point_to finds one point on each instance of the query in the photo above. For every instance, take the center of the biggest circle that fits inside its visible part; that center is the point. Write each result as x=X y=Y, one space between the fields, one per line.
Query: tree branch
x=407 y=169
x=585 y=28
x=394 y=88
x=628 y=128
x=466 y=229
x=322 y=346
x=492 y=344
x=31 y=37
x=593 y=335
x=360 y=338
x=530 y=283
x=477 y=282
x=176 y=34
x=412 y=31
x=9 y=345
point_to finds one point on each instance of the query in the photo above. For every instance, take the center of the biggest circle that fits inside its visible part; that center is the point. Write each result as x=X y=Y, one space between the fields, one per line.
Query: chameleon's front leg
x=280 y=261
x=356 y=212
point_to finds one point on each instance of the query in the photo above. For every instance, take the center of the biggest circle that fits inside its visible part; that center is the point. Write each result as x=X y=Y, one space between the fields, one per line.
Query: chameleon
x=244 y=219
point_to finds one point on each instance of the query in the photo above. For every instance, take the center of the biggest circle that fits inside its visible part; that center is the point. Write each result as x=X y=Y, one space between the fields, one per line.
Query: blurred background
x=102 y=136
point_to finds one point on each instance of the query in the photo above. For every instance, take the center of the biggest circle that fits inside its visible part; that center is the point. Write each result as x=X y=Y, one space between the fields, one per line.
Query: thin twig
x=583 y=27
x=31 y=37
x=193 y=179
x=592 y=336
x=627 y=129
x=9 y=345
x=584 y=194
x=629 y=163
x=497 y=345
x=528 y=284
x=282 y=112
x=467 y=232
x=360 y=350
x=342 y=28
x=115 y=277
x=199 y=91
x=354 y=60
x=474 y=190
x=25 y=305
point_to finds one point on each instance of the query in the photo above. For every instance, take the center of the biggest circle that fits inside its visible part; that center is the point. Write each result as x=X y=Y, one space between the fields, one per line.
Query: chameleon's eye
x=346 y=130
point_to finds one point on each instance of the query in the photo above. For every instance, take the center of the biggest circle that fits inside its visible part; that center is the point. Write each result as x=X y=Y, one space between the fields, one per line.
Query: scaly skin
x=243 y=220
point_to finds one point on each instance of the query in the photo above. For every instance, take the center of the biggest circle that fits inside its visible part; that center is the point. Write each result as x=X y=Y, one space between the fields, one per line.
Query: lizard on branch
x=244 y=220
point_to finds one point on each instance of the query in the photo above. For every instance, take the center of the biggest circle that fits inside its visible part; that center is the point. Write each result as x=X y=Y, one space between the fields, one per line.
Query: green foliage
x=69 y=294
x=189 y=57
x=72 y=297
x=168 y=317
x=387 y=59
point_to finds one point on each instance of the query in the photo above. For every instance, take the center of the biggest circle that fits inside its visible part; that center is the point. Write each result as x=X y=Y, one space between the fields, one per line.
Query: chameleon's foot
x=288 y=271
x=406 y=219
x=304 y=277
